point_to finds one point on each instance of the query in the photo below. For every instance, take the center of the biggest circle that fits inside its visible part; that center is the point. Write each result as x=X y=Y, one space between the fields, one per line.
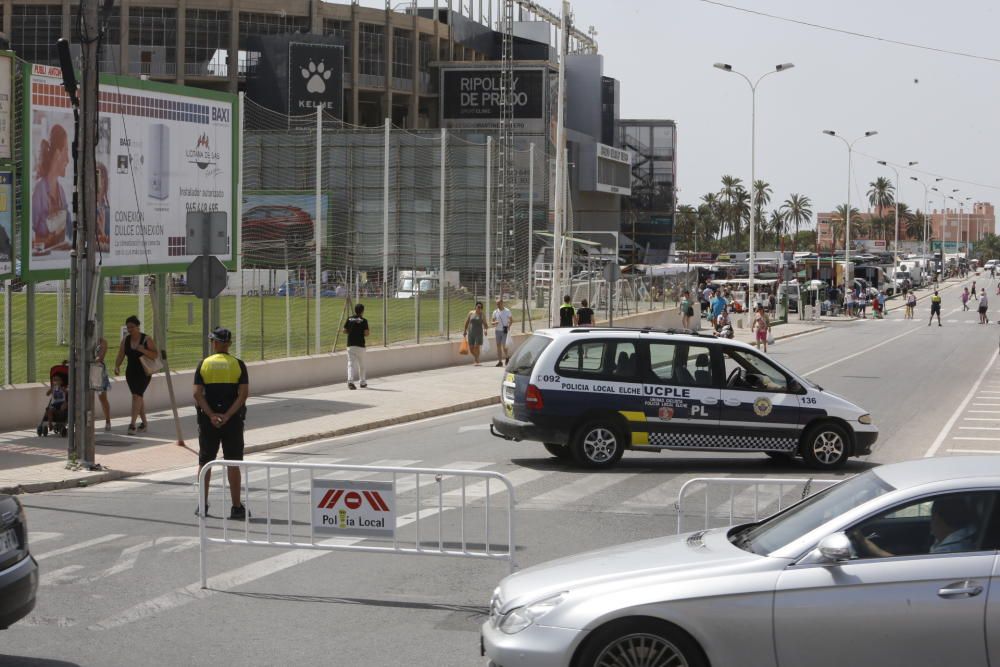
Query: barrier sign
x=353 y=509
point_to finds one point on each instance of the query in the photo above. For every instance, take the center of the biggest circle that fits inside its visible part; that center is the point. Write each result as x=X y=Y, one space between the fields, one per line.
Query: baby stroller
x=59 y=409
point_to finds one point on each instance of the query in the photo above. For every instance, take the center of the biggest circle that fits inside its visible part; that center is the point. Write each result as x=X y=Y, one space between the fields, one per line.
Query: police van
x=589 y=394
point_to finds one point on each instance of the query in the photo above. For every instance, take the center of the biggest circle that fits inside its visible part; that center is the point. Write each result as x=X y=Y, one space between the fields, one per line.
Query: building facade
x=955 y=227
x=648 y=212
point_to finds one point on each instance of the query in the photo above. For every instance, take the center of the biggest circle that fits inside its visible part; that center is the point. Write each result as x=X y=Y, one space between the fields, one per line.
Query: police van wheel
x=826 y=446
x=598 y=444
x=558 y=451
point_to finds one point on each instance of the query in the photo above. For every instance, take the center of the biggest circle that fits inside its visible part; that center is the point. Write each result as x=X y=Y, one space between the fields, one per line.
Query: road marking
x=984 y=412
x=974 y=438
x=859 y=353
x=974 y=451
x=60 y=576
x=574 y=491
x=516 y=478
x=961 y=408
x=474 y=427
x=78 y=546
x=987 y=405
x=979 y=419
x=979 y=428
x=36 y=536
x=410 y=482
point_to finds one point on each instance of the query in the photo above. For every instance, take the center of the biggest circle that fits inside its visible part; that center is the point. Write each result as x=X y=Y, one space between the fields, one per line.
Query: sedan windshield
x=781 y=529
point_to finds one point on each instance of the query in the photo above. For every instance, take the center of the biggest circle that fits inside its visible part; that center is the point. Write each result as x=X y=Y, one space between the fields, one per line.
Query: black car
x=18 y=570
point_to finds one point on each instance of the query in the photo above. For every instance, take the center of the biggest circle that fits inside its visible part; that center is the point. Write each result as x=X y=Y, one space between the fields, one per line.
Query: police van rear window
x=527 y=355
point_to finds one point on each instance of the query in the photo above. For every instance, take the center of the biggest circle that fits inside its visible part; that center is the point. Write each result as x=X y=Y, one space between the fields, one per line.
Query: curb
x=110 y=475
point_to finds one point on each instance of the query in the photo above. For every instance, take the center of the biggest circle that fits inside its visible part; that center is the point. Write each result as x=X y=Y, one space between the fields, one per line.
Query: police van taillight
x=533 y=398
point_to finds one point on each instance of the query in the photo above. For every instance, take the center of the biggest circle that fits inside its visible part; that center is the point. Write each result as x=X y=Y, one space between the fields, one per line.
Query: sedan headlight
x=518 y=619
x=865 y=419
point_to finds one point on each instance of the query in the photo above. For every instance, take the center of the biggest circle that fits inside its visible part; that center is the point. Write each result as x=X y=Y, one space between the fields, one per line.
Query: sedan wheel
x=640 y=642
x=598 y=445
x=641 y=650
x=826 y=446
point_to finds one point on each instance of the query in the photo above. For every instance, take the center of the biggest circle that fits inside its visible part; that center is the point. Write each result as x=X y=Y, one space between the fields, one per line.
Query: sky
x=938 y=109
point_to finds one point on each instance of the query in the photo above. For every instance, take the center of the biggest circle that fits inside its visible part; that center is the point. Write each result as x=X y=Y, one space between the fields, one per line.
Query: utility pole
x=84 y=237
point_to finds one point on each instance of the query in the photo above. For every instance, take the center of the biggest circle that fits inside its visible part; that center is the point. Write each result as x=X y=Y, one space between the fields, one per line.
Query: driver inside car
x=953 y=529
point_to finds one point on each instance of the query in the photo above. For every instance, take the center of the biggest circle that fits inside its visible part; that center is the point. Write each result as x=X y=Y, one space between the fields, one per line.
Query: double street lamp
x=847 y=222
x=753 y=148
x=895 y=247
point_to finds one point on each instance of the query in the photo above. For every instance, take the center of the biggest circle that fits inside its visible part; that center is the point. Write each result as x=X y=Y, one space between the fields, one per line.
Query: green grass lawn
x=264 y=330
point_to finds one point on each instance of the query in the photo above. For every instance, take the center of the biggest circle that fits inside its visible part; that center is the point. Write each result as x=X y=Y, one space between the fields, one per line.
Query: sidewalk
x=33 y=464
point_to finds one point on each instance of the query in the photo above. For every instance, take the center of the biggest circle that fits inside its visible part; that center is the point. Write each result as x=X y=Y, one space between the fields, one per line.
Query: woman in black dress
x=135 y=346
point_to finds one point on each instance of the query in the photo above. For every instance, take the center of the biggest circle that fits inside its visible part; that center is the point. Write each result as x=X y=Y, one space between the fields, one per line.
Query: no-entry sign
x=346 y=508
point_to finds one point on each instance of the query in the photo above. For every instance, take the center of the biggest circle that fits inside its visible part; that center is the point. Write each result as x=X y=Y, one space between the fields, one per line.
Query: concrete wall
x=22 y=406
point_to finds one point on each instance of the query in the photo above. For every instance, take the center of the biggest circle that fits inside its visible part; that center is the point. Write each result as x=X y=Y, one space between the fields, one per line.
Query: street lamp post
x=944 y=226
x=847 y=222
x=895 y=247
x=753 y=147
x=914 y=178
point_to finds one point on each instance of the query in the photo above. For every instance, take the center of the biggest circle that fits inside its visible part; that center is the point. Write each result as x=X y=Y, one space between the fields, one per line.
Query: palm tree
x=761 y=198
x=839 y=221
x=730 y=187
x=686 y=228
x=777 y=224
x=881 y=195
x=798 y=210
x=710 y=203
x=914 y=224
x=740 y=211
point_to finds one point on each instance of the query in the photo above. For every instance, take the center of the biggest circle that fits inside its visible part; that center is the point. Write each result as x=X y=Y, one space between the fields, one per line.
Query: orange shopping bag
x=464 y=347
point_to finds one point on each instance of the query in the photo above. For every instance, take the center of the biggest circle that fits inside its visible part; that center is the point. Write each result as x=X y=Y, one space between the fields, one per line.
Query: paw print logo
x=316 y=77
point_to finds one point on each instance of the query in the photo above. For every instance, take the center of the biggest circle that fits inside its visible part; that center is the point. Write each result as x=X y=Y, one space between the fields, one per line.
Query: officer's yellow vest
x=221 y=368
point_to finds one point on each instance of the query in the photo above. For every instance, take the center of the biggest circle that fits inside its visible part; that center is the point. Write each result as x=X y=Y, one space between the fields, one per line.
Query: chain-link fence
x=405 y=222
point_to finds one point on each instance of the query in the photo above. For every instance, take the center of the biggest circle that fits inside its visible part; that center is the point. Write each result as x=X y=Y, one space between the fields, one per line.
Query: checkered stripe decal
x=702 y=441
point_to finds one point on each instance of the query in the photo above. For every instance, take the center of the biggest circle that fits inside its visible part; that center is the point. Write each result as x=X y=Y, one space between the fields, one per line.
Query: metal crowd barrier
x=250 y=534
x=754 y=484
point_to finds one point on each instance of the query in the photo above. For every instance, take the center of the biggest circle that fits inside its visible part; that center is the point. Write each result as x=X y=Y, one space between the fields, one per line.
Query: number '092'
x=550 y=378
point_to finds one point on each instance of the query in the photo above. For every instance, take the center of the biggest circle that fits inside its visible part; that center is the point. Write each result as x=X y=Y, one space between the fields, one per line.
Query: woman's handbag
x=151 y=366
x=770 y=337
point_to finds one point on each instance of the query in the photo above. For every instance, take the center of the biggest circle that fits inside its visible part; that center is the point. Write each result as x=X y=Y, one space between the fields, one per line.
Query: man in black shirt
x=567 y=314
x=585 y=315
x=356 y=328
x=221 y=388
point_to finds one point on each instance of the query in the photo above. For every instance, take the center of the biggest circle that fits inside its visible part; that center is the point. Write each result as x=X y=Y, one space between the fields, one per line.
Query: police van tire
x=826 y=445
x=558 y=451
x=598 y=444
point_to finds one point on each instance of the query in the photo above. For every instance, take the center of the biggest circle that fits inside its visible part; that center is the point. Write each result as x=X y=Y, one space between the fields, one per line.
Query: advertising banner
x=471 y=98
x=162 y=151
x=6 y=224
x=278 y=230
x=315 y=76
x=353 y=509
x=6 y=104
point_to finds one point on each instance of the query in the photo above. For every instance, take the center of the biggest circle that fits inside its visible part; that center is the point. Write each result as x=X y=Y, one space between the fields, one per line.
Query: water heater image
x=158 y=161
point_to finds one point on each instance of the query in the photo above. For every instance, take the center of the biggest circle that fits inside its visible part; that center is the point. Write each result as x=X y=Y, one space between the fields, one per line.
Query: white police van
x=589 y=394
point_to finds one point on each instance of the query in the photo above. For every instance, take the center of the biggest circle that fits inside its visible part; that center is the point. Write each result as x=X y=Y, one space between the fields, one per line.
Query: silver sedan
x=890 y=567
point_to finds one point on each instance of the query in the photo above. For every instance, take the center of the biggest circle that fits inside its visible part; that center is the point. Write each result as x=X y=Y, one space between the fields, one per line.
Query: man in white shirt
x=502 y=321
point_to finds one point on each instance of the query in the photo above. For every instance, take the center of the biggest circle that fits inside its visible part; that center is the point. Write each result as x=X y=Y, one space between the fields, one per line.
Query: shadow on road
x=24 y=661
x=666 y=464
x=366 y=602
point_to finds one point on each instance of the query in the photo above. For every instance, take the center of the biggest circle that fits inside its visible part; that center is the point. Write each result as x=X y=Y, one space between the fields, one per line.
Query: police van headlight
x=865 y=419
x=518 y=619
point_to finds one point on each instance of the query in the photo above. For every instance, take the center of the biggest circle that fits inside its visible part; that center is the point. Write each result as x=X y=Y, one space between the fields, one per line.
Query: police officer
x=935 y=308
x=567 y=314
x=221 y=388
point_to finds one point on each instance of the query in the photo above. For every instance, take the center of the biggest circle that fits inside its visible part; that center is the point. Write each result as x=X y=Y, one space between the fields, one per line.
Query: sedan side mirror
x=835 y=548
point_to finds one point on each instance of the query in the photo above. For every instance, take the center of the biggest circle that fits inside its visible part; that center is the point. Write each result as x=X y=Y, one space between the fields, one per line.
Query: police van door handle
x=731 y=402
x=709 y=400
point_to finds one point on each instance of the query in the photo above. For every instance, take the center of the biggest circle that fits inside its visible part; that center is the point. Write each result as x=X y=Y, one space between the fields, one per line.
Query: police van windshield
x=527 y=354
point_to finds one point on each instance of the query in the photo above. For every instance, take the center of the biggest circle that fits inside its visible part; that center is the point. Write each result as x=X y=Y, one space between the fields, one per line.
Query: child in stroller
x=56 y=414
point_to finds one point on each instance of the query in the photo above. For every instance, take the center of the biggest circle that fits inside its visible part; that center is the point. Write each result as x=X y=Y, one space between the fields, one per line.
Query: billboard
x=6 y=224
x=315 y=76
x=278 y=229
x=162 y=151
x=471 y=98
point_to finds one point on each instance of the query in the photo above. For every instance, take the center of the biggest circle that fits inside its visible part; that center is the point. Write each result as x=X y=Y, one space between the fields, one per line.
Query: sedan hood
x=681 y=556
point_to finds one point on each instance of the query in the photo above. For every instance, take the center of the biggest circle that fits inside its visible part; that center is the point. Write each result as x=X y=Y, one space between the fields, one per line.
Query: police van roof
x=625 y=332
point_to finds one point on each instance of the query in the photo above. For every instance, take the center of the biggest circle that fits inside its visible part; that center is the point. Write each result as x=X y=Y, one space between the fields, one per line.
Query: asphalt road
x=120 y=560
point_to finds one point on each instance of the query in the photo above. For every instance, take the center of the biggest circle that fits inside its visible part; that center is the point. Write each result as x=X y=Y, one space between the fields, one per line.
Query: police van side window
x=661 y=361
x=746 y=370
x=586 y=359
